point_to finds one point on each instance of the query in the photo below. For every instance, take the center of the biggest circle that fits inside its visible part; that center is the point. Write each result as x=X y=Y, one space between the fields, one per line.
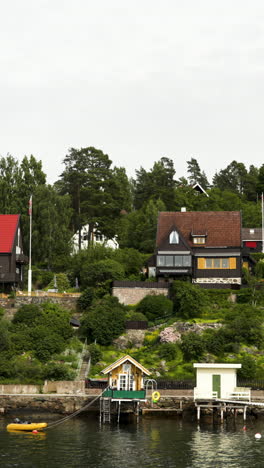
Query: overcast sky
x=139 y=80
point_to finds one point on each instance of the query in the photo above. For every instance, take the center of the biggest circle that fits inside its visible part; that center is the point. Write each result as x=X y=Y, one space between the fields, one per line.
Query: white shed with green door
x=215 y=380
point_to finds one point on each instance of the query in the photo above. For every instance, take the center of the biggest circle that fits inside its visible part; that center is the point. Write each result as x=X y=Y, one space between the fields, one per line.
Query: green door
x=217 y=385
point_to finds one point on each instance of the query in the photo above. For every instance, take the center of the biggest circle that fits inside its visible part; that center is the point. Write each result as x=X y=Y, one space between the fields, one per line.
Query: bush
x=188 y=300
x=62 y=282
x=248 y=369
x=104 y=321
x=214 y=341
x=27 y=314
x=154 y=307
x=168 y=351
x=55 y=371
x=101 y=273
x=244 y=324
x=95 y=352
x=259 y=269
x=192 y=346
x=136 y=317
x=85 y=299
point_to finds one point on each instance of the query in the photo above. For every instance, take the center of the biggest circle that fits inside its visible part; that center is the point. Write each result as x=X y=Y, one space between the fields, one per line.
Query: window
x=169 y=260
x=217 y=263
x=174 y=260
x=174 y=237
x=199 y=240
x=126 y=367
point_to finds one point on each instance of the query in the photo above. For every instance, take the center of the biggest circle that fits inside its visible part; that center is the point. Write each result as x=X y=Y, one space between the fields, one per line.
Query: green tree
x=192 y=346
x=101 y=273
x=104 y=321
x=196 y=175
x=188 y=300
x=232 y=178
x=98 y=193
x=156 y=184
x=155 y=307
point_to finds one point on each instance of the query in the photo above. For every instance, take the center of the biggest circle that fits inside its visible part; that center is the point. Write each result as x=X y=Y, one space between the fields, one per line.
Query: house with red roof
x=12 y=257
x=204 y=246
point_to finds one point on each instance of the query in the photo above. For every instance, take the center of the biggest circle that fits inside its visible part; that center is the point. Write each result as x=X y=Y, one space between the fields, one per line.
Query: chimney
x=183 y=209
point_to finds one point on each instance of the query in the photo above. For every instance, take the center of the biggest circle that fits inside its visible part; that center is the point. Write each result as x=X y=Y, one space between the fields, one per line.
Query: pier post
x=198 y=413
x=245 y=413
x=222 y=414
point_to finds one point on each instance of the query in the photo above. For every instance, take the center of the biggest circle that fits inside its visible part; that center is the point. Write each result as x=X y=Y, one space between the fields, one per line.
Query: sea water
x=84 y=442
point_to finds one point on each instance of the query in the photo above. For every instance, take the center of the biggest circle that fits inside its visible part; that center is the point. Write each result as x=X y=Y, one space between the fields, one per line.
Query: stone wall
x=134 y=295
x=11 y=305
x=65 y=387
x=19 y=389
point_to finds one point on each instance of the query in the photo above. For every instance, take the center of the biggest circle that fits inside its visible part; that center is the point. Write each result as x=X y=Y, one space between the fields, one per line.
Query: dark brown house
x=12 y=258
x=206 y=246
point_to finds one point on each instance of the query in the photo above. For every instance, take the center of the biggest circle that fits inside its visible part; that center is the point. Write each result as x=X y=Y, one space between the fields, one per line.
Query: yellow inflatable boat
x=26 y=427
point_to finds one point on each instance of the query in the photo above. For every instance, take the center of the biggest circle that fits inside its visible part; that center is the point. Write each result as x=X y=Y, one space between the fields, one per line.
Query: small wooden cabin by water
x=125 y=384
x=126 y=379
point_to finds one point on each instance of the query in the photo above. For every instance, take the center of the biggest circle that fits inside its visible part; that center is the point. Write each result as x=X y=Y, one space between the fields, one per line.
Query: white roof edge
x=218 y=366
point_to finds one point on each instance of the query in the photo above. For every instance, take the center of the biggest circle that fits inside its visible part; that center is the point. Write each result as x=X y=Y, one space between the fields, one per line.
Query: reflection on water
x=83 y=442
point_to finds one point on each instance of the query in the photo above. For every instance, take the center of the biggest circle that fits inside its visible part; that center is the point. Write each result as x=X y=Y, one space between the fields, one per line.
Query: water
x=82 y=442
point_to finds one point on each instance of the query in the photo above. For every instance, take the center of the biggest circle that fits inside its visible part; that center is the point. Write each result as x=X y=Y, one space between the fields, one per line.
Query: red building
x=12 y=257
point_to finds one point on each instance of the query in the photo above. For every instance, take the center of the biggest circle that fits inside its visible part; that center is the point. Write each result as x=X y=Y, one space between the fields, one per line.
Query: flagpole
x=30 y=240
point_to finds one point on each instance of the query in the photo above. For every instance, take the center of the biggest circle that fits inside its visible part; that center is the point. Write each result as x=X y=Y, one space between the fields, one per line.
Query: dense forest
x=91 y=190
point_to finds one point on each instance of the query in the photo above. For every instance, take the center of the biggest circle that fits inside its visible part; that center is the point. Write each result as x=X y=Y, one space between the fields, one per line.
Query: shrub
x=95 y=352
x=104 y=321
x=27 y=314
x=154 y=307
x=248 y=369
x=101 y=273
x=192 y=346
x=85 y=299
x=244 y=324
x=56 y=371
x=168 y=351
x=136 y=317
x=62 y=282
x=188 y=300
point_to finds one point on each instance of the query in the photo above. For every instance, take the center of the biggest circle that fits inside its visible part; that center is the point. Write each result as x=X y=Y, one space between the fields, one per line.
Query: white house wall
x=204 y=382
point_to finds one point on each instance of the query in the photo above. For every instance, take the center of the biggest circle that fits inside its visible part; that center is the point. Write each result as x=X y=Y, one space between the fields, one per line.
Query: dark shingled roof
x=222 y=228
x=254 y=235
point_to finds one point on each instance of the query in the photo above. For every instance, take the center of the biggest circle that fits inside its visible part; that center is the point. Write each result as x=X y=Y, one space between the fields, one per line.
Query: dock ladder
x=105 y=409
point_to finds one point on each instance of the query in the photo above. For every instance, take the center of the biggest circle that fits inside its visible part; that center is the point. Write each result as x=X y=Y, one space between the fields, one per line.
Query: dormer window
x=199 y=237
x=174 y=237
x=199 y=240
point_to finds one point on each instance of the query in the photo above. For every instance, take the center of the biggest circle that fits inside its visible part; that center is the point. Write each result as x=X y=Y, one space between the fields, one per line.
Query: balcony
x=125 y=394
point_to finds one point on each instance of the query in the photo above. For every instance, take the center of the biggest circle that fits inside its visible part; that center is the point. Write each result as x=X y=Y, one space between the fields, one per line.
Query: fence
x=175 y=384
x=136 y=325
x=253 y=384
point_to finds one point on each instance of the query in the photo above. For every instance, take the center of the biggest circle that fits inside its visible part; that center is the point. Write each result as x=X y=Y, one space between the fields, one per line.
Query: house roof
x=251 y=234
x=223 y=228
x=217 y=366
x=8 y=229
x=121 y=361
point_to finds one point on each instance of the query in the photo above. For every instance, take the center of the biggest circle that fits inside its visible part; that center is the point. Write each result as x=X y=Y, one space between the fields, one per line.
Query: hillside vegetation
x=195 y=325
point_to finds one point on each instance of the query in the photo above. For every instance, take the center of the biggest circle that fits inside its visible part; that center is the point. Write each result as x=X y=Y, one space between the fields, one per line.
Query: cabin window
x=174 y=237
x=122 y=382
x=126 y=367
